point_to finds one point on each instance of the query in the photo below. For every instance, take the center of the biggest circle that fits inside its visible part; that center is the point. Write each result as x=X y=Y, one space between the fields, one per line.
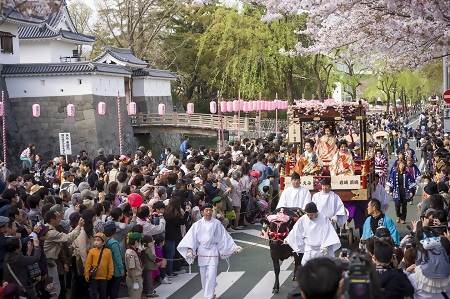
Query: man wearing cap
x=294 y=196
x=68 y=184
x=217 y=212
x=330 y=204
x=133 y=264
x=208 y=239
x=313 y=235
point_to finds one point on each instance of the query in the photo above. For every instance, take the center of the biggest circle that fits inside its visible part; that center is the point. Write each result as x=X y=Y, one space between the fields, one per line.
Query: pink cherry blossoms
x=30 y=9
x=400 y=33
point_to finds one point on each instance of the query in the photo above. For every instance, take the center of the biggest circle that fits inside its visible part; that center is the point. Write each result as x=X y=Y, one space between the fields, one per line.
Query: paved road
x=251 y=272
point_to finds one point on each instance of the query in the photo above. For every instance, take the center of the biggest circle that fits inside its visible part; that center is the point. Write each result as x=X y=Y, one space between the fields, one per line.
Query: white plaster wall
x=32 y=51
x=61 y=49
x=104 y=85
x=7 y=58
x=25 y=87
x=151 y=87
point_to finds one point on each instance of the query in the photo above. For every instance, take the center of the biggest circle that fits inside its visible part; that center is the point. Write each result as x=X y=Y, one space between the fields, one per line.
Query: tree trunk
x=289 y=82
x=317 y=75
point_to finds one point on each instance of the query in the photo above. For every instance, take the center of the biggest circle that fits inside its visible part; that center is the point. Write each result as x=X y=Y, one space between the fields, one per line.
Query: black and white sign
x=65 y=144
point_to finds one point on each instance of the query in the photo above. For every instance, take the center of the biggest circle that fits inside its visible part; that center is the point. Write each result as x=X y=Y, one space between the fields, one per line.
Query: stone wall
x=157 y=141
x=150 y=104
x=88 y=129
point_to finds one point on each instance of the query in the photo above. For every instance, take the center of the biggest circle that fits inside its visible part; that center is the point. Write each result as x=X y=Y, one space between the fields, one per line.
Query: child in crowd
x=99 y=267
x=196 y=213
x=160 y=261
x=148 y=260
x=134 y=266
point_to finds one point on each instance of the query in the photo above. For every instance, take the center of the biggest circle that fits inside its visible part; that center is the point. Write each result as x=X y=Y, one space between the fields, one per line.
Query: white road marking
x=252 y=232
x=263 y=290
x=286 y=263
x=166 y=290
x=224 y=281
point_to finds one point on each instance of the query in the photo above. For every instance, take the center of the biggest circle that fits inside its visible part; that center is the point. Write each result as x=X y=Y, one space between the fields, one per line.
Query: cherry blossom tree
x=405 y=34
x=29 y=8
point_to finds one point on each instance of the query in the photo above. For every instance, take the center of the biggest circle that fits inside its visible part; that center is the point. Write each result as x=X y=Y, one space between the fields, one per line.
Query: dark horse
x=279 y=224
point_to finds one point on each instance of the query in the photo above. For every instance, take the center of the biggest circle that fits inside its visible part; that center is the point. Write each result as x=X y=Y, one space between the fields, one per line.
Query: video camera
x=356 y=274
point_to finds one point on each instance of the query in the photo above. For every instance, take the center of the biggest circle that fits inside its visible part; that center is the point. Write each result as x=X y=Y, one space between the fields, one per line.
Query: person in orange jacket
x=99 y=267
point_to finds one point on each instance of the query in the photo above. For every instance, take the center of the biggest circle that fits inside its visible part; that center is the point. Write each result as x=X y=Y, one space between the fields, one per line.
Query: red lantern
x=135 y=200
x=190 y=108
x=36 y=110
x=213 y=107
x=132 y=109
x=1 y=109
x=101 y=108
x=236 y=106
x=246 y=108
x=223 y=107
x=161 y=109
x=71 y=110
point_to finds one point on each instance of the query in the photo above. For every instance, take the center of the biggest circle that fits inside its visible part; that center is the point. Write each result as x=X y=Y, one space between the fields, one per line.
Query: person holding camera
x=394 y=283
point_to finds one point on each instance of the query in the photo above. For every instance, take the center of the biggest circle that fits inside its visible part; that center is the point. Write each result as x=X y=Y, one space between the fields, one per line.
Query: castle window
x=6 y=40
x=79 y=81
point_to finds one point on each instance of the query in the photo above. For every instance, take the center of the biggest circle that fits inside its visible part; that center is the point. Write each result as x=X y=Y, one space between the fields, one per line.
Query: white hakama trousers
x=208 y=276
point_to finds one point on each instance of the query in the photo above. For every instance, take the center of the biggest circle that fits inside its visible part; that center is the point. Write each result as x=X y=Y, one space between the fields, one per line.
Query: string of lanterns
x=225 y=107
x=251 y=106
x=101 y=108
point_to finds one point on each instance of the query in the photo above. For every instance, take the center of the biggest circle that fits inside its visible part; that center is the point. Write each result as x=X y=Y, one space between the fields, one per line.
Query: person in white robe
x=330 y=204
x=381 y=194
x=313 y=235
x=295 y=195
x=207 y=237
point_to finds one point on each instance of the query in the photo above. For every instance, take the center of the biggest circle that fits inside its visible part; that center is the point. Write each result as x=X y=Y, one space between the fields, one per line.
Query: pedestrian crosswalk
x=225 y=280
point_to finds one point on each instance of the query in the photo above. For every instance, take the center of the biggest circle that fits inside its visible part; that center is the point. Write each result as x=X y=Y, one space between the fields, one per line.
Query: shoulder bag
x=30 y=290
x=93 y=269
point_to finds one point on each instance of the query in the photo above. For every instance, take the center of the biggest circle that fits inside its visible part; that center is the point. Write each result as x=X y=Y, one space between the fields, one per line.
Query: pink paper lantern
x=1 y=109
x=274 y=105
x=190 y=108
x=213 y=107
x=161 y=109
x=286 y=105
x=101 y=107
x=132 y=109
x=223 y=107
x=254 y=106
x=246 y=107
x=258 y=106
x=241 y=105
x=230 y=106
x=236 y=106
x=36 y=110
x=71 y=110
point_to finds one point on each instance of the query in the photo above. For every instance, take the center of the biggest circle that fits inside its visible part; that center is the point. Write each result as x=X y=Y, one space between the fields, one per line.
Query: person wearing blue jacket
x=376 y=219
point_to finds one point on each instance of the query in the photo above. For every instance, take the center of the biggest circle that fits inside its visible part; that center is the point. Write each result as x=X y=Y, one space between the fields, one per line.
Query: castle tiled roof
x=62 y=68
x=122 y=54
x=43 y=31
x=154 y=73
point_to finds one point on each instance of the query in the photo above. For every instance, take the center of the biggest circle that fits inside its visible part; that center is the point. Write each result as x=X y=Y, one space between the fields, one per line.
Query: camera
x=356 y=274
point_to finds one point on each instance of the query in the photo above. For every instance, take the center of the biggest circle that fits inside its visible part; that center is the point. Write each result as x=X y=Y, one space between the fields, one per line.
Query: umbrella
x=356 y=137
x=383 y=134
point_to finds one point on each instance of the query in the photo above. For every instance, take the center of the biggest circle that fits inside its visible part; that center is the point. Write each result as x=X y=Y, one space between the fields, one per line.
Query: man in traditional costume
x=314 y=235
x=208 y=239
x=326 y=146
x=309 y=163
x=294 y=196
x=330 y=204
x=342 y=163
